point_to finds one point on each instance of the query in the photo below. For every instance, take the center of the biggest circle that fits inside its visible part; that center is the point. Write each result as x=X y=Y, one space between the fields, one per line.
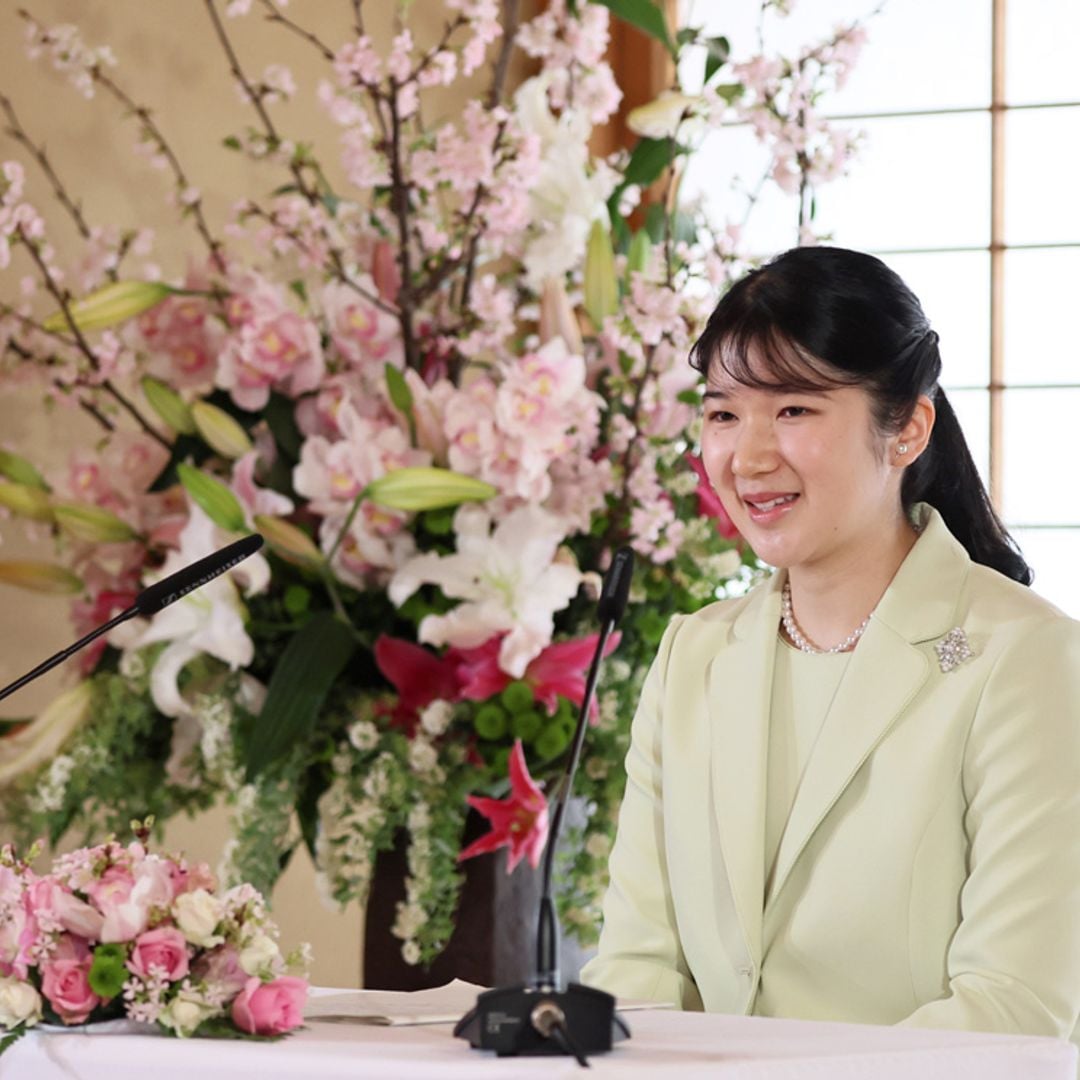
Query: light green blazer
x=929 y=873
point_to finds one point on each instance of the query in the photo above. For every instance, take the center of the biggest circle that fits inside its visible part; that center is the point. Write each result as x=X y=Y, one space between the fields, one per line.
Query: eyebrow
x=776 y=391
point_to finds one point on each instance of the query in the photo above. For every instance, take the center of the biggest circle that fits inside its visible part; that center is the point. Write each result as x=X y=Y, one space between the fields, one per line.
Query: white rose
x=20 y=1003
x=258 y=954
x=185 y=1013
x=197 y=914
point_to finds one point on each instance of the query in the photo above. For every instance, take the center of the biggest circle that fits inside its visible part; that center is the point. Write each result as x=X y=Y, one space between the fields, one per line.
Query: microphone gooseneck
x=609 y=608
x=152 y=599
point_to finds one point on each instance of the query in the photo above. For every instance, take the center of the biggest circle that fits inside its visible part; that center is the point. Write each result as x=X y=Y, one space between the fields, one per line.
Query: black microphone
x=153 y=598
x=544 y=1018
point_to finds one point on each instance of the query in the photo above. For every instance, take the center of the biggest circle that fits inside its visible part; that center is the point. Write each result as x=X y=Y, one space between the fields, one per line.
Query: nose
x=755 y=450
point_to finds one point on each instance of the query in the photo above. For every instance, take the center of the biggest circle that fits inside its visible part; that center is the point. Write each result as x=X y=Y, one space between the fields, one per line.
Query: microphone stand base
x=506 y=1020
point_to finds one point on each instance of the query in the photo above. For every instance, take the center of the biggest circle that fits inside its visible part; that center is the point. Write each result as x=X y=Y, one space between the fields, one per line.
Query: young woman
x=854 y=793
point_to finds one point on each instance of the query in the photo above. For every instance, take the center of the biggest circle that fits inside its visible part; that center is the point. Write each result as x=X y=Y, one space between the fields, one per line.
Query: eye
x=719 y=416
x=795 y=411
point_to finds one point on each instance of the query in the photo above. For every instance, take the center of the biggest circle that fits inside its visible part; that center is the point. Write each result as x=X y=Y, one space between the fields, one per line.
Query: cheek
x=715 y=455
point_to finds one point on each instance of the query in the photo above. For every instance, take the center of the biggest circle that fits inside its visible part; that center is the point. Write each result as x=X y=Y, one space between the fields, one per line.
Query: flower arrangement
x=443 y=389
x=118 y=932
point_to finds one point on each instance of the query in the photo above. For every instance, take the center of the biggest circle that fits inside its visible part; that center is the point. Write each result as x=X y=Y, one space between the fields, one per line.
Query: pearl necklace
x=799 y=639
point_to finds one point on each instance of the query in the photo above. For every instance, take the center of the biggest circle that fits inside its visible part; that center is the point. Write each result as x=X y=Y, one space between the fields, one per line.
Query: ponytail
x=945 y=476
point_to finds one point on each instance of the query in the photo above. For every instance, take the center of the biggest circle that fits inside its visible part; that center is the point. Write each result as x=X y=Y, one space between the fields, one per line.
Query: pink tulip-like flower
x=76 y=915
x=65 y=981
x=519 y=822
x=270 y=1008
x=163 y=948
x=708 y=502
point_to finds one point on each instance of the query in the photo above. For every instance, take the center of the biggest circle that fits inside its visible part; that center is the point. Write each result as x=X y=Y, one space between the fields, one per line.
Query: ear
x=908 y=443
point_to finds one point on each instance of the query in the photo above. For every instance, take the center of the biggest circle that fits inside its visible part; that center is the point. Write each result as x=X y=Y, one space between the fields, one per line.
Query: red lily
x=560 y=670
x=708 y=502
x=519 y=822
x=419 y=677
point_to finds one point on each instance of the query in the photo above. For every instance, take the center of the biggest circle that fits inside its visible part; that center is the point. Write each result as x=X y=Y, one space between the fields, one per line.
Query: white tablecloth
x=663 y=1043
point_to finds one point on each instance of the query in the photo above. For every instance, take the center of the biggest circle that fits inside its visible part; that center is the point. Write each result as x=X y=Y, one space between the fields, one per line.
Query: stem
x=61 y=297
x=399 y=204
x=275 y=15
x=511 y=16
x=18 y=132
x=358 y=17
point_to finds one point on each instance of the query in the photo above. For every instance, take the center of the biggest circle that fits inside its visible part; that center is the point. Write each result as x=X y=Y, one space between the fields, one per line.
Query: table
x=664 y=1043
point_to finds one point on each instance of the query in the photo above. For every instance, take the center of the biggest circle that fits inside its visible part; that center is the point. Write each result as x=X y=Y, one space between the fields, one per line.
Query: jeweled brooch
x=953 y=649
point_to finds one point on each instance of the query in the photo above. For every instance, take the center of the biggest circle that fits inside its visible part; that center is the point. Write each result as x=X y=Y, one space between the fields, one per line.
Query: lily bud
x=292 y=544
x=661 y=117
x=601 y=288
x=38 y=576
x=637 y=258
x=21 y=471
x=84 y=521
x=557 y=318
x=29 y=502
x=110 y=305
x=220 y=431
x=169 y=405
x=221 y=506
x=425 y=487
x=40 y=740
x=385 y=271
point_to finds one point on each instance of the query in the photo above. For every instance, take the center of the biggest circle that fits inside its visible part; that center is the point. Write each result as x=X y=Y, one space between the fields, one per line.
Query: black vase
x=494 y=938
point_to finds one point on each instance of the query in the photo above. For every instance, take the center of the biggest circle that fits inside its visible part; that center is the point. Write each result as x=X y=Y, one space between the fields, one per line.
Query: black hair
x=823 y=318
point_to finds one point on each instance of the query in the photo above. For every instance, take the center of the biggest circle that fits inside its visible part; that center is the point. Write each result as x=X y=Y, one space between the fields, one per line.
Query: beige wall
x=170 y=61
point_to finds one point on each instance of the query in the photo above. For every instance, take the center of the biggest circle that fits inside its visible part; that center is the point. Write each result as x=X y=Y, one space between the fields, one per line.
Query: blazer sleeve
x=639 y=954
x=1014 y=962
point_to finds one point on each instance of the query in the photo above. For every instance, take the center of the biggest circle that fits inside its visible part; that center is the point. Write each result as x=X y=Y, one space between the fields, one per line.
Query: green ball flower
x=517 y=697
x=552 y=741
x=526 y=725
x=490 y=721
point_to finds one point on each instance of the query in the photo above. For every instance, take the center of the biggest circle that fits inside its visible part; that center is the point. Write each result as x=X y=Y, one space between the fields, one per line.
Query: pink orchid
x=708 y=502
x=519 y=822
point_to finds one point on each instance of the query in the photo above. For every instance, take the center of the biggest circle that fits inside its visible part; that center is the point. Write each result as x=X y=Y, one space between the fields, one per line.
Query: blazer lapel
x=886 y=671
x=740 y=691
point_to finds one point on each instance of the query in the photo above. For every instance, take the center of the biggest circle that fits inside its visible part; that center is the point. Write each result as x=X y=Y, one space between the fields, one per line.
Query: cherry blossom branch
x=358 y=17
x=18 y=132
x=256 y=98
x=274 y=15
x=62 y=297
x=511 y=18
x=26 y=355
x=399 y=205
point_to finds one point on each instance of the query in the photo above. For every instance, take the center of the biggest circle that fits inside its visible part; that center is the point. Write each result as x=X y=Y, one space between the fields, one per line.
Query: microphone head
x=616 y=590
x=165 y=592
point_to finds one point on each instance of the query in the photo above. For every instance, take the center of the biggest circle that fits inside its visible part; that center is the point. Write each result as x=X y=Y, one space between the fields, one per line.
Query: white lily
x=209 y=620
x=508 y=580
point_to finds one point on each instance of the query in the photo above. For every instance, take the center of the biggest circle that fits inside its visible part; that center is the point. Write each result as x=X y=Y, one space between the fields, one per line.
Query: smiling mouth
x=770 y=504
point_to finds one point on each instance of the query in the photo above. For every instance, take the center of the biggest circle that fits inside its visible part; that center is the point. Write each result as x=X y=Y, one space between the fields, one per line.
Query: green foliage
x=108 y=971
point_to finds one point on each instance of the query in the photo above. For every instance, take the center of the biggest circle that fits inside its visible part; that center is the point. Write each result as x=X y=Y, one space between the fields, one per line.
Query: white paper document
x=396 y=1008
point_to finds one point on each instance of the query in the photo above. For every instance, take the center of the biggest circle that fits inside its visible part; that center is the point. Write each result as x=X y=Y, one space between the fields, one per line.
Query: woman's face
x=804 y=476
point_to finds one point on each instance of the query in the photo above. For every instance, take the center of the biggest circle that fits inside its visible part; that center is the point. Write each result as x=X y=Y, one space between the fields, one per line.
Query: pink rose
x=270 y=1008
x=112 y=888
x=163 y=948
x=65 y=981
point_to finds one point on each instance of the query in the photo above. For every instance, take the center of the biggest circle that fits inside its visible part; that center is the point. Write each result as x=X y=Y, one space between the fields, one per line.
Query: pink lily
x=419 y=677
x=519 y=822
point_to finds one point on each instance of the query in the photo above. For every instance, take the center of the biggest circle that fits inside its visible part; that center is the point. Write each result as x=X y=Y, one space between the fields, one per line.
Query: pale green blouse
x=804 y=685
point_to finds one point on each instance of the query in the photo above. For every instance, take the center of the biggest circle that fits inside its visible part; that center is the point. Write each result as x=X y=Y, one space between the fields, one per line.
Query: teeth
x=774 y=502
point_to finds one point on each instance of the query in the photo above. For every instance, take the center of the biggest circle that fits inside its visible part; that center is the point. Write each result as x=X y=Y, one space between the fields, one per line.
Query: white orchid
x=208 y=620
x=508 y=579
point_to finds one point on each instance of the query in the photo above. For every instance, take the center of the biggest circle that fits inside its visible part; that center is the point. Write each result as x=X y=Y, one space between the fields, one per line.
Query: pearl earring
x=902 y=448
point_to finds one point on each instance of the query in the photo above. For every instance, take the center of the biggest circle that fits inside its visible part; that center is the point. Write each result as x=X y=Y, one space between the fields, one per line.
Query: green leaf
x=647 y=161
x=21 y=471
x=280 y=415
x=13 y=1036
x=646 y=16
x=221 y=506
x=719 y=49
x=401 y=396
x=311 y=662
x=730 y=92
x=108 y=972
x=637 y=258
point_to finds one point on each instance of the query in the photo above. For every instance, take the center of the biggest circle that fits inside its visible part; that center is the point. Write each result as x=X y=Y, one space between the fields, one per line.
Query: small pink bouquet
x=118 y=932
